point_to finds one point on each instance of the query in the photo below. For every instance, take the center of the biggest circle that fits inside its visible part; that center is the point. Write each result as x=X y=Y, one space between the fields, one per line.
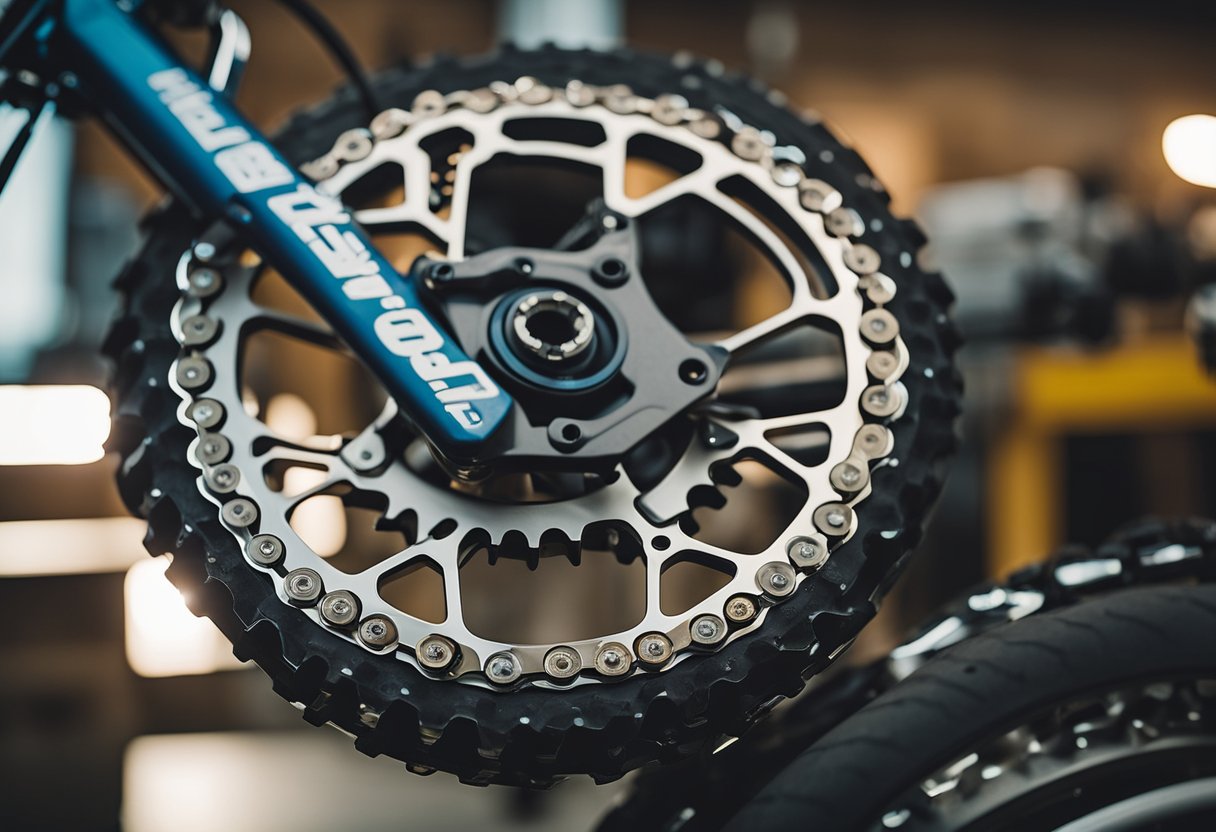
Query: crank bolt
x=740 y=609
x=265 y=549
x=193 y=373
x=610 y=272
x=612 y=659
x=239 y=513
x=436 y=652
x=776 y=578
x=340 y=608
x=378 y=632
x=223 y=479
x=203 y=252
x=707 y=629
x=654 y=649
x=206 y=413
x=693 y=371
x=213 y=448
x=303 y=586
x=833 y=519
x=807 y=552
x=440 y=273
x=563 y=662
x=502 y=668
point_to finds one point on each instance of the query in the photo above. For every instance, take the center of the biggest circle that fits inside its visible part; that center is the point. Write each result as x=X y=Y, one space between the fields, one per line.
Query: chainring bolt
x=265 y=549
x=239 y=513
x=436 y=652
x=378 y=632
x=612 y=659
x=503 y=668
x=303 y=586
x=340 y=608
x=563 y=662
x=777 y=579
x=740 y=609
x=654 y=649
x=707 y=629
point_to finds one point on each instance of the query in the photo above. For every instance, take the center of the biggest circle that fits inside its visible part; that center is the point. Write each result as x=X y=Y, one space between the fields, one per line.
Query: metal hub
x=621 y=487
x=551 y=325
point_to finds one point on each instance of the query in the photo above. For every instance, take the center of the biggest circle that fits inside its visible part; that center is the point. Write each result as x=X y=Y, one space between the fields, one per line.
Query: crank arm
x=194 y=140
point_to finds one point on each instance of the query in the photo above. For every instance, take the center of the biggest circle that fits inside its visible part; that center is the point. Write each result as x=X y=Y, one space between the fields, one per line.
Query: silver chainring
x=235 y=448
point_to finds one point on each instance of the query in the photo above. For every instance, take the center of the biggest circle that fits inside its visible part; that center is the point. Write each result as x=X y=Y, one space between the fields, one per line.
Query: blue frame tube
x=194 y=140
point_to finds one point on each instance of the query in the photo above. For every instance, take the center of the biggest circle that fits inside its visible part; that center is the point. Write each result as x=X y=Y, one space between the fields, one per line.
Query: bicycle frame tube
x=194 y=140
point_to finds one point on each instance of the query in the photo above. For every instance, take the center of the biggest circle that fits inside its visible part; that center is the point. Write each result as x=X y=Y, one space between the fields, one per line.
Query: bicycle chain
x=339 y=610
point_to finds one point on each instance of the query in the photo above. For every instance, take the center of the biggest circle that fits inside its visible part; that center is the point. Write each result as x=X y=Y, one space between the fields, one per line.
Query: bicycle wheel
x=1042 y=723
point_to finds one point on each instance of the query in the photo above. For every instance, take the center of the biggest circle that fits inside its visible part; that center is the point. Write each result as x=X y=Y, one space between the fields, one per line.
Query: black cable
x=13 y=155
x=340 y=50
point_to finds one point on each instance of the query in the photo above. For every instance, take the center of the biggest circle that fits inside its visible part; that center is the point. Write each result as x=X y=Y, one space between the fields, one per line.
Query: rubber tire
x=601 y=730
x=980 y=690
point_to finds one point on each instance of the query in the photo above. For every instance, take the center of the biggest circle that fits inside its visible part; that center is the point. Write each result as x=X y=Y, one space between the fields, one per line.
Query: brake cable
x=338 y=48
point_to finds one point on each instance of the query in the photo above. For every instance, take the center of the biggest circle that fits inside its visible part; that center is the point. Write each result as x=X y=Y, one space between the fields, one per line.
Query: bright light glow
x=1189 y=145
x=60 y=424
x=308 y=779
x=163 y=637
x=70 y=547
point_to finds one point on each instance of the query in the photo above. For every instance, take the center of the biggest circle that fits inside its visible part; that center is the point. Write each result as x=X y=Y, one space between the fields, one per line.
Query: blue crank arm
x=197 y=143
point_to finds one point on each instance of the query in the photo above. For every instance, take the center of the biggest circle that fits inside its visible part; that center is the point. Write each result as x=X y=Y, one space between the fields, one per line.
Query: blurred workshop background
x=1044 y=145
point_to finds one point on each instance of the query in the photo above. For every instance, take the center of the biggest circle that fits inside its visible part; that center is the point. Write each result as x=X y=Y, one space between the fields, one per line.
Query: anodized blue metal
x=197 y=143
